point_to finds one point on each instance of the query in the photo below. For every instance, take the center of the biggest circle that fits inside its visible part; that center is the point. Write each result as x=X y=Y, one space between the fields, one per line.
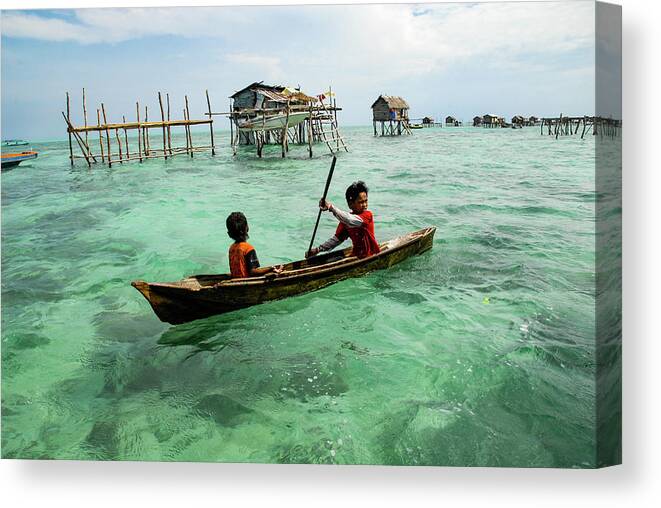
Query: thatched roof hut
x=477 y=121
x=450 y=120
x=390 y=107
x=518 y=120
x=427 y=120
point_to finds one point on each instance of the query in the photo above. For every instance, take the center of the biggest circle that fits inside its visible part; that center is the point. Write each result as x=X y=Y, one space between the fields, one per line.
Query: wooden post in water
x=213 y=148
x=68 y=131
x=231 y=117
x=165 y=135
x=167 y=98
x=188 y=130
x=85 y=116
x=310 y=132
x=126 y=139
x=119 y=146
x=146 y=133
x=105 y=122
x=284 y=132
x=98 y=124
x=79 y=140
x=137 y=116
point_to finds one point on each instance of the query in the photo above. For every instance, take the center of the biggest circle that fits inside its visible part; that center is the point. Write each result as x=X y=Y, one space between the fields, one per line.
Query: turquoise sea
x=480 y=352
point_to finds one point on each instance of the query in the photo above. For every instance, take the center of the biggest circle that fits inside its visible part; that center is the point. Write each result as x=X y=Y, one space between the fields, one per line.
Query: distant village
x=261 y=115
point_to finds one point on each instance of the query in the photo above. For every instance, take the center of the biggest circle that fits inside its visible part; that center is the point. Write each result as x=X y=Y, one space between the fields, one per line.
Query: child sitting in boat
x=357 y=225
x=242 y=255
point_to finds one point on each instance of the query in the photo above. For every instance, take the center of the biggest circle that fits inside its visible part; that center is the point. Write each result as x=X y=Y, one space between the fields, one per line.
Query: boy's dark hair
x=354 y=190
x=237 y=226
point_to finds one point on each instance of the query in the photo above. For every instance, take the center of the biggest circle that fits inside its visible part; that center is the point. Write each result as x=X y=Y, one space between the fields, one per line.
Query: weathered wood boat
x=201 y=296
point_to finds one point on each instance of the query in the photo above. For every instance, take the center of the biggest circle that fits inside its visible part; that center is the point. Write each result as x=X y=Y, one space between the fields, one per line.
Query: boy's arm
x=253 y=265
x=330 y=244
x=348 y=219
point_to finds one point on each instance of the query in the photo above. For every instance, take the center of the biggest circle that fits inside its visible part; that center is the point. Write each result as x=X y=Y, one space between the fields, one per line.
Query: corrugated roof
x=258 y=84
x=277 y=93
x=393 y=102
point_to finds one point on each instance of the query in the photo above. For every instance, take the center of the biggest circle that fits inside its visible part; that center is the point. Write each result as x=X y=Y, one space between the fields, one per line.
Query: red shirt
x=362 y=237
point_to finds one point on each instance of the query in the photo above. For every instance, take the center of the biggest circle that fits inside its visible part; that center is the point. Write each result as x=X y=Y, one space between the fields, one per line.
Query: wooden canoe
x=201 y=296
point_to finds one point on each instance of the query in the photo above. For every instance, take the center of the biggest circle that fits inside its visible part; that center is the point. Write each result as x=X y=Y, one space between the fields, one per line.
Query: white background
x=636 y=483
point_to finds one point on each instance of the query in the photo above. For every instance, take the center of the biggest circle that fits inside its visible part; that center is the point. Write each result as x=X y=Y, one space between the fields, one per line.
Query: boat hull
x=11 y=160
x=202 y=296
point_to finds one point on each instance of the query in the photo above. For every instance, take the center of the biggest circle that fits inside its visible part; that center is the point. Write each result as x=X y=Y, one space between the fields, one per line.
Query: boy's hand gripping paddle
x=328 y=181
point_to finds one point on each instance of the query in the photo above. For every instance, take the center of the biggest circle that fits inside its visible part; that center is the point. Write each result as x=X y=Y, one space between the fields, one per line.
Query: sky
x=459 y=59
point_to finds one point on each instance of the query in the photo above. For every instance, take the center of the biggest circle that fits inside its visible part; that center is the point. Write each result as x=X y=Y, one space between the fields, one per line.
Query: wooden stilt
x=310 y=131
x=213 y=148
x=188 y=129
x=68 y=117
x=165 y=134
x=98 y=123
x=79 y=140
x=119 y=146
x=126 y=138
x=137 y=117
x=283 y=137
x=167 y=98
x=146 y=134
x=105 y=122
x=85 y=117
x=232 y=120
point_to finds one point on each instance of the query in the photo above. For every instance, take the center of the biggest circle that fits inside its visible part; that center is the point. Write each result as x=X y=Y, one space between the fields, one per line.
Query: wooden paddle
x=328 y=181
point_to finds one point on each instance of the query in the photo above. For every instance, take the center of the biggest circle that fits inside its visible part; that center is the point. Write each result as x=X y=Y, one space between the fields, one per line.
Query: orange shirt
x=243 y=258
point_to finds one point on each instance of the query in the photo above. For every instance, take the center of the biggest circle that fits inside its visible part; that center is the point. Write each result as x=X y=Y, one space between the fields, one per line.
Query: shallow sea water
x=479 y=352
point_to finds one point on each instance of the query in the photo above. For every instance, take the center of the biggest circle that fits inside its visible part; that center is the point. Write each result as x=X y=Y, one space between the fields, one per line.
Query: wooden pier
x=571 y=125
x=113 y=138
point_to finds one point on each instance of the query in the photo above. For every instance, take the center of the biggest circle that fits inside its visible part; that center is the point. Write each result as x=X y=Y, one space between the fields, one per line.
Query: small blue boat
x=15 y=157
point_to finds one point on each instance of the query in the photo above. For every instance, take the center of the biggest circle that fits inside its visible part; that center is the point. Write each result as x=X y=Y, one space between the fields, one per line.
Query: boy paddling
x=357 y=224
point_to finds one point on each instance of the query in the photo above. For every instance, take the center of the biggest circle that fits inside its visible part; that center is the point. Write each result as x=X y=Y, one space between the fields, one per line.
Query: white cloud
x=269 y=67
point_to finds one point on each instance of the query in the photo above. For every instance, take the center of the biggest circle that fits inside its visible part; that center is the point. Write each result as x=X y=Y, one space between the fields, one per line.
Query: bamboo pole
x=105 y=121
x=167 y=99
x=98 y=122
x=188 y=130
x=283 y=140
x=79 y=140
x=146 y=133
x=137 y=115
x=68 y=118
x=165 y=134
x=336 y=134
x=213 y=149
x=186 y=133
x=232 y=142
x=85 y=116
x=310 y=132
x=119 y=146
x=126 y=137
